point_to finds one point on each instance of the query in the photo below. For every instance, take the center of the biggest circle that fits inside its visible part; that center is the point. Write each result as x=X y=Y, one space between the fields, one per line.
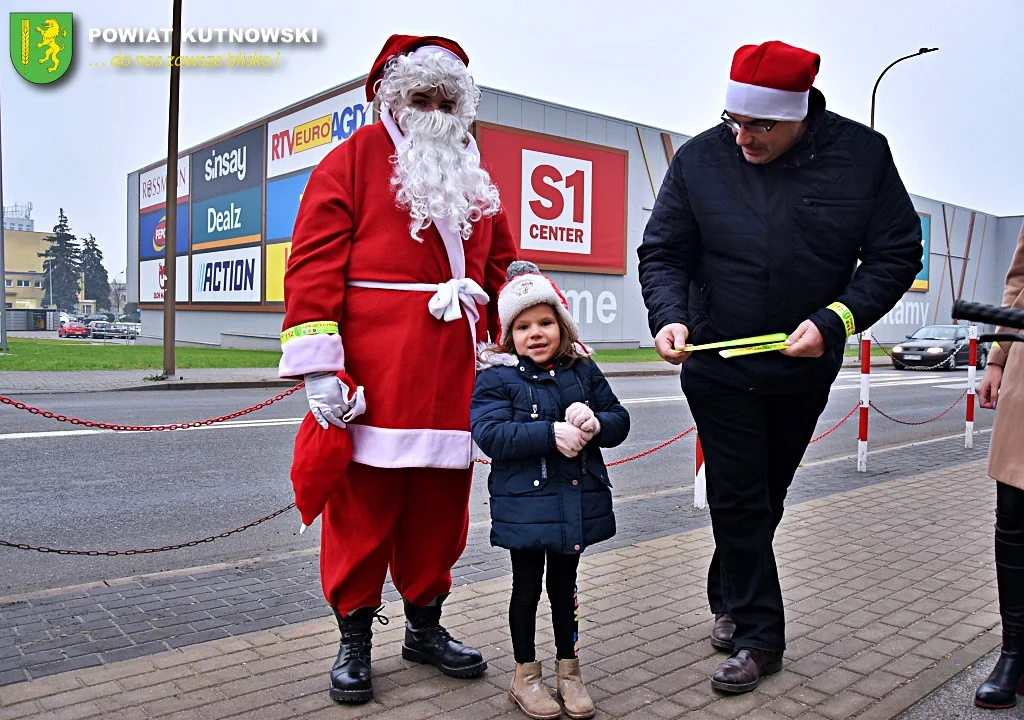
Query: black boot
x=426 y=641
x=350 y=676
x=1000 y=689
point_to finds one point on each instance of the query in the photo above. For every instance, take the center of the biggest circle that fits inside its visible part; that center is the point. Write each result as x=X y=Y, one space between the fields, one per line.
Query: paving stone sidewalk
x=71 y=628
x=890 y=591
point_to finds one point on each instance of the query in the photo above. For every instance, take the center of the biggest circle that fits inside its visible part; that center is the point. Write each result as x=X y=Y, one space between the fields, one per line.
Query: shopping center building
x=238 y=194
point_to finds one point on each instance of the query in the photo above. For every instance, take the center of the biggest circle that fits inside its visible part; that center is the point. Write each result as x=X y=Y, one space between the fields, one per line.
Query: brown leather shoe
x=743 y=671
x=573 y=692
x=721 y=636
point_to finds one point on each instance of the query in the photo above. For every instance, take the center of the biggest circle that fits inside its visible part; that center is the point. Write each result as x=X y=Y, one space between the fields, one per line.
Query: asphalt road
x=66 y=486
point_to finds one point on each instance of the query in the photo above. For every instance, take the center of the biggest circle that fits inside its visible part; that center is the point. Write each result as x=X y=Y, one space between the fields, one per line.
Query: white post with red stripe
x=865 y=400
x=700 y=480
x=972 y=376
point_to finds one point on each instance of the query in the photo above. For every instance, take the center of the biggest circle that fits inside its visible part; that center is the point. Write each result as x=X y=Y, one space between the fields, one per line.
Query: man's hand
x=669 y=340
x=806 y=341
x=988 y=390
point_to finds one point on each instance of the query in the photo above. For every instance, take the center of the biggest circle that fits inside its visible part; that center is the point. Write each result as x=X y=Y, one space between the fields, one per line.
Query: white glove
x=591 y=426
x=569 y=439
x=578 y=413
x=327 y=400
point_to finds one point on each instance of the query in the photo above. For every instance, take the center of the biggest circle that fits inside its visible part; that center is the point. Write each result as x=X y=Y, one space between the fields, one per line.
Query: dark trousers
x=1010 y=556
x=527 y=574
x=752 y=447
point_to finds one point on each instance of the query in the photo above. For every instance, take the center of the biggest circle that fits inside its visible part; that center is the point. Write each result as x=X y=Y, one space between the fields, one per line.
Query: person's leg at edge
x=1001 y=687
x=430 y=536
x=357 y=531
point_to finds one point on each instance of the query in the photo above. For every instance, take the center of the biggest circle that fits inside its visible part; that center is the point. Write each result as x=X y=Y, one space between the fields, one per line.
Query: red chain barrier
x=836 y=426
x=919 y=422
x=141 y=428
x=680 y=436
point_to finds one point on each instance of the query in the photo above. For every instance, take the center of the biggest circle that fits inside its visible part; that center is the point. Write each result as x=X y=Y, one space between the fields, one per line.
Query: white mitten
x=578 y=413
x=569 y=439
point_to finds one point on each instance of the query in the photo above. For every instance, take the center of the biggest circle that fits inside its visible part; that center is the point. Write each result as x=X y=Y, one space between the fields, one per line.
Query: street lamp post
x=874 y=90
x=922 y=51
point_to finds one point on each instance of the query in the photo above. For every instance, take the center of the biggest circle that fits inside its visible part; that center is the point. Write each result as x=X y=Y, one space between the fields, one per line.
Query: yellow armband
x=319 y=327
x=845 y=315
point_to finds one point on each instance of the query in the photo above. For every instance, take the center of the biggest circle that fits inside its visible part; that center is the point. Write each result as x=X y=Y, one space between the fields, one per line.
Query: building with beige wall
x=25 y=281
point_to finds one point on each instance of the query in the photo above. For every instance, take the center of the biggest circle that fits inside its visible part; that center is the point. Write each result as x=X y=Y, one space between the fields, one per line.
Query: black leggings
x=527 y=571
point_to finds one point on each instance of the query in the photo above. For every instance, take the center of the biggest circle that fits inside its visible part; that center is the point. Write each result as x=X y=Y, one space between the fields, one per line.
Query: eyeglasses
x=749 y=127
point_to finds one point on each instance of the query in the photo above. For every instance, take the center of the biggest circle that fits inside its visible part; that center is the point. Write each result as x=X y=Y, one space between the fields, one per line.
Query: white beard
x=436 y=175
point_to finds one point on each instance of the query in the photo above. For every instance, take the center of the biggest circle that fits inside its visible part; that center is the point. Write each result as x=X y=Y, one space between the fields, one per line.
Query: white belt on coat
x=446 y=303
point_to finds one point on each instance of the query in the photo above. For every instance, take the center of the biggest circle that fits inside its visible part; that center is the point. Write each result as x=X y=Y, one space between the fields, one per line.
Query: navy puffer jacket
x=539 y=498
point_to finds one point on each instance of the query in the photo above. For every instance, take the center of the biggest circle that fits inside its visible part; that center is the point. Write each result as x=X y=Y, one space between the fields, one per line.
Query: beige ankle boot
x=573 y=692
x=528 y=692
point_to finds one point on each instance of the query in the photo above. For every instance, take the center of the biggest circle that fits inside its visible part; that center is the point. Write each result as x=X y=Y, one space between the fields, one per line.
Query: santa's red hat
x=416 y=45
x=771 y=81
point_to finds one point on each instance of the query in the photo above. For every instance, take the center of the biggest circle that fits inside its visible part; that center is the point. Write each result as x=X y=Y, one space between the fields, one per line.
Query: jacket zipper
x=586 y=401
x=534 y=415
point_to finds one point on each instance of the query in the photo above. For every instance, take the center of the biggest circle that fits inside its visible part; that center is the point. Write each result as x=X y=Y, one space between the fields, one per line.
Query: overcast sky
x=953 y=118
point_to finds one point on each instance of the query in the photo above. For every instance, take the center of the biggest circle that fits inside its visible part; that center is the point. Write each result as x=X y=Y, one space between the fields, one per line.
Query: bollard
x=972 y=375
x=700 y=480
x=865 y=399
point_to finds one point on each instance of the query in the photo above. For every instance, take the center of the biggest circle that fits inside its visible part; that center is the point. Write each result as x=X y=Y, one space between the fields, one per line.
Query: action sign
x=568 y=197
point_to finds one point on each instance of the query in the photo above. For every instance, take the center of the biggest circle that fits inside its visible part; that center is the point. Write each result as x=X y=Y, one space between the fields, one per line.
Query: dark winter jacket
x=734 y=249
x=539 y=498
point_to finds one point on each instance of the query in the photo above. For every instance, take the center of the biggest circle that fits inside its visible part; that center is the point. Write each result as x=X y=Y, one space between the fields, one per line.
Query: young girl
x=541 y=411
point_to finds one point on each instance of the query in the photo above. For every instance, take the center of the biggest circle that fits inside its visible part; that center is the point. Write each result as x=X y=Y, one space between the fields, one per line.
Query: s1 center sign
x=567 y=197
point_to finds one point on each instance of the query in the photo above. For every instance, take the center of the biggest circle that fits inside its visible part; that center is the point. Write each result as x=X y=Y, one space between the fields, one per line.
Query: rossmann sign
x=302 y=139
x=228 y=166
x=153 y=186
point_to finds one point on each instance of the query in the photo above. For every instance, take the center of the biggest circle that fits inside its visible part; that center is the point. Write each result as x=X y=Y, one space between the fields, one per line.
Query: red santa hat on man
x=418 y=47
x=525 y=287
x=771 y=81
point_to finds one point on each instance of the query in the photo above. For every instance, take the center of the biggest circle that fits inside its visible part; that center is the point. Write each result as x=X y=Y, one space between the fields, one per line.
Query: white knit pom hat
x=525 y=287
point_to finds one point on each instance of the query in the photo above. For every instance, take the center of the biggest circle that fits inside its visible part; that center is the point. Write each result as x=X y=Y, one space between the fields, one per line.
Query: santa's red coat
x=417 y=370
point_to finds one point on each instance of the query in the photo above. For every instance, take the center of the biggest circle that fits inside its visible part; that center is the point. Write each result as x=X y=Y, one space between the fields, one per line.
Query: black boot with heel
x=1006 y=681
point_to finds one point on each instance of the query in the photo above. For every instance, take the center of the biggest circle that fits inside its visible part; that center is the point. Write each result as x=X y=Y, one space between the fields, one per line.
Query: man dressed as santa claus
x=399 y=248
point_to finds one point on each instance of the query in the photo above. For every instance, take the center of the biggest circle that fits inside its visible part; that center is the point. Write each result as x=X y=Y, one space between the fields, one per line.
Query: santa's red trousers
x=413 y=520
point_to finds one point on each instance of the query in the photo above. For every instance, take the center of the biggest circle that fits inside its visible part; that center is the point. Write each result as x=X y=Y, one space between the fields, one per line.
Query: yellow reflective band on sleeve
x=319 y=327
x=845 y=315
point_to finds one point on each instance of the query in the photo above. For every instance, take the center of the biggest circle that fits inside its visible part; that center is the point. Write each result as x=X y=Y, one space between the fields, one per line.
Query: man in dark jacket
x=758 y=228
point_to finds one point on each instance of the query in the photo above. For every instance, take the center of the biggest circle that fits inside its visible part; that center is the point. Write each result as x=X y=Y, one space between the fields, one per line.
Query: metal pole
x=171 y=201
x=3 y=273
x=922 y=51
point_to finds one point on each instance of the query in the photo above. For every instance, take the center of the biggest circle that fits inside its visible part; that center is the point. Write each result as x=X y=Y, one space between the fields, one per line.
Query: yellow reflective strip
x=765 y=347
x=845 y=315
x=319 y=327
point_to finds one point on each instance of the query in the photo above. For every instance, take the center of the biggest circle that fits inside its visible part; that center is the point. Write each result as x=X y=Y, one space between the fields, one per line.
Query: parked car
x=73 y=328
x=99 y=329
x=942 y=346
x=122 y=330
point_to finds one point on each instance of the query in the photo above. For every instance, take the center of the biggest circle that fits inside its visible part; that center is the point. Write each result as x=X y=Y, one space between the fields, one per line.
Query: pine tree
x=62 y=267
x=97 y=284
